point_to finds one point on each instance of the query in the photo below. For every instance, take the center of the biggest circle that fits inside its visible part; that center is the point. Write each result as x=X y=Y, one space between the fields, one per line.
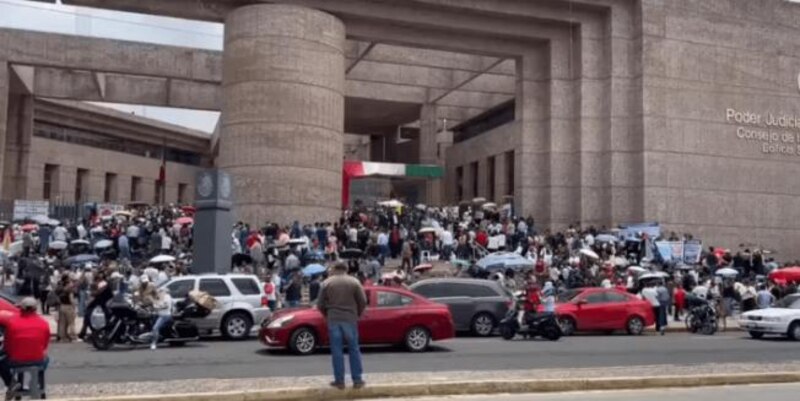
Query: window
x=490 y=170
x=215 y=287
x=392 y=299
x=596 y=298
x=49 y=181
x=460 y=183
x=510 y=173
x=472 y=290
x=157 y=193
x=246 y=286
x=81 y=185
x=110 y=191
x=136 y=183
x=473 y=171
x=612 y=296
x=182 y=193
x=180 y=289
x=427 y=290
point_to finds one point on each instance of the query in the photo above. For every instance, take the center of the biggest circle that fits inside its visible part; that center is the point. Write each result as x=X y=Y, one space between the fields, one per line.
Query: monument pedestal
x=213 y=222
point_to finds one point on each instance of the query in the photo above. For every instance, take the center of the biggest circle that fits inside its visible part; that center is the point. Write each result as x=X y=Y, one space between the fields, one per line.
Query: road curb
x=473 y=387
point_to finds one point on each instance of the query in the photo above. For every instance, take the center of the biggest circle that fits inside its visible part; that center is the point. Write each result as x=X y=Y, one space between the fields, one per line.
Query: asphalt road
x=80 y=363
x=782 y=392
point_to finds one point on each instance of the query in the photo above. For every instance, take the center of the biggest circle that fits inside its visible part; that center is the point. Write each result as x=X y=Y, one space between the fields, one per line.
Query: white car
x=782 y=319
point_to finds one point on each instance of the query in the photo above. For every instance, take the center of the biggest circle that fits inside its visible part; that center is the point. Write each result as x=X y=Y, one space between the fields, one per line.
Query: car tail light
x=264 y=301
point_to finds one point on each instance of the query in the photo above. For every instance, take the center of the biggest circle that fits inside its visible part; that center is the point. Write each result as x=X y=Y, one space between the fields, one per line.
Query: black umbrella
x=351 y=253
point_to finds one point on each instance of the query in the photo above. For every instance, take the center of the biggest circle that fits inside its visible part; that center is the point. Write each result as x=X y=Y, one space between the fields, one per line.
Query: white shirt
x=60 y=234
x=383 y=239
x=700 y=291
x=352 y=235
x=163 y=304
x=132 y=231
x=447 y=238
x=166 y=242
x=651 y=295
x=81 y=231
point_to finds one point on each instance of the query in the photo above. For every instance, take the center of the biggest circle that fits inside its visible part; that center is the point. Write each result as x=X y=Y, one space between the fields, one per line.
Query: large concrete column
x=283 y=112
x=4 y=89
x=429 y=152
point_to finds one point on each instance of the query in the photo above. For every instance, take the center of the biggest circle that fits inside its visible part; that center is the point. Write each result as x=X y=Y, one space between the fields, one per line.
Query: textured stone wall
x=702 y=58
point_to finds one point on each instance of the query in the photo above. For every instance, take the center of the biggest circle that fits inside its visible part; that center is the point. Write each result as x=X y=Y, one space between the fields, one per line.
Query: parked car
x=477 y=306
x=393 y=316
x=242 y=303
x=602 y=309
x=782 y=319
x=7 y=311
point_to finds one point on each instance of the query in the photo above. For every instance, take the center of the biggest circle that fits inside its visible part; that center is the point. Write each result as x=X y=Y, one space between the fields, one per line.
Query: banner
x=670 y=250
x=653 y=230
x=692 y=251
x=25 y=209
x=106 y=209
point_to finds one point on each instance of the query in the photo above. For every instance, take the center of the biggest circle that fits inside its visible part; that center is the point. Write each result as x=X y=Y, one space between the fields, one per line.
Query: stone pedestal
x=283 y=113
x=213 y=222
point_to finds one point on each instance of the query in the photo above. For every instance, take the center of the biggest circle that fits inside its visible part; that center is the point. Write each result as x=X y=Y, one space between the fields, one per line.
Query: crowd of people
x=73 y=267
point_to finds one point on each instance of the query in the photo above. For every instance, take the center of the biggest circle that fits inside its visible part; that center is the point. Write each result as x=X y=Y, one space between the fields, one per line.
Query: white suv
x=242 y=303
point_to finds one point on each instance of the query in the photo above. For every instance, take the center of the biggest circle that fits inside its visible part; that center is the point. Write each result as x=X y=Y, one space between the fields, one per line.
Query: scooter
x=535 y=324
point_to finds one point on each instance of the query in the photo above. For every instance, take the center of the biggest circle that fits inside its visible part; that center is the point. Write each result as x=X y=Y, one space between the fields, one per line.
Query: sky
x=58 y=18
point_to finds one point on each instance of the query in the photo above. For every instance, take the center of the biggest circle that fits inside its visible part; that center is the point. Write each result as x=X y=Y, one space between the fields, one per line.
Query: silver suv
x=242 y=303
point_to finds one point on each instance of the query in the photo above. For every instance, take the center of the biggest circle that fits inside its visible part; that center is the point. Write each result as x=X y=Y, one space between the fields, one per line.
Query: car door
x=617 y=310
x=217 y=288
x=590 y=311
x=457 y=298
x=386 y=322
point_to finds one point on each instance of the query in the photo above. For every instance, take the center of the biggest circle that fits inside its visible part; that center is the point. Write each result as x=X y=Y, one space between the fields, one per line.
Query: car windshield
x=567 y=296
x=790 y=302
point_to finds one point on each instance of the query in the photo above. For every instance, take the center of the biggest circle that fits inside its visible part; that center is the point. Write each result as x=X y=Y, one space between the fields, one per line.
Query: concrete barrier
x=474 y=387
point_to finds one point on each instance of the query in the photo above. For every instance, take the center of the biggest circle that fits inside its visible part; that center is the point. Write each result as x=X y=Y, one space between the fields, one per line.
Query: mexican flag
x=358 y=169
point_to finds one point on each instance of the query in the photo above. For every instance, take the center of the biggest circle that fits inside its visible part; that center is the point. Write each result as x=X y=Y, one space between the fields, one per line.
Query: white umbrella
x=479 y=200
x=427 y=230
x=620 y=261
x=58 y=245
x=391 y=203
x=590 y=253
x=490 y=205
x=80 y=242
x=53 y=222
x=15 y=248
x=636 y=269
x=420 y=206
x=103 y=243
x=162 y=259
x=650 y=276
x=727 y=272
x=40 y=219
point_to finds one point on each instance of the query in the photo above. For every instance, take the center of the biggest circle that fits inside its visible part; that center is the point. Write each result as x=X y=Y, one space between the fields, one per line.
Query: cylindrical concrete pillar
x=282 y=124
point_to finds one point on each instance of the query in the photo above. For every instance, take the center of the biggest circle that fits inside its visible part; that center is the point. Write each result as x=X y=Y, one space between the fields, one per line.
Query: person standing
x=680 y=302
x=650 y=294
x=764 y=297
x=664 y=301
x=342 y=301
x=66 y=309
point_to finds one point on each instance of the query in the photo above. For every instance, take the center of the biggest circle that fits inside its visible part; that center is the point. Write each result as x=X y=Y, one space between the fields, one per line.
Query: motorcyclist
x=163 y=309
x=146 y=294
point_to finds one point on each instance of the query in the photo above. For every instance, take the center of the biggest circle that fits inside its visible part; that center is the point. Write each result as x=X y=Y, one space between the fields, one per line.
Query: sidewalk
x=438 y=383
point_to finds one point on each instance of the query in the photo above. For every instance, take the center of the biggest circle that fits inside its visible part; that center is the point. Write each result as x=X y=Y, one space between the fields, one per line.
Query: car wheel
x=236 y=326
x=567 y=325
x=483 y=325
x=756 y=334
x=794 y=331
x=635 y=326
x=417 y=339
x=303 y=341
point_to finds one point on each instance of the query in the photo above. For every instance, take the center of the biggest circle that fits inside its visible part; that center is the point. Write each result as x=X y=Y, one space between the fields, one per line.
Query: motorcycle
x=132 y=325
x=702 y=316
x=535 y=324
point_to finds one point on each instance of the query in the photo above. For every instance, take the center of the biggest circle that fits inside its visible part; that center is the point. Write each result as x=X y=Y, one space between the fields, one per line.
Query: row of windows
x=51 y=186
x=491 y=179
x=102 y=141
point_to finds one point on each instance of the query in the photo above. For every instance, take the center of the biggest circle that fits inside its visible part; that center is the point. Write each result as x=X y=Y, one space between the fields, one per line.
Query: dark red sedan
x=601 y=309
x=393 y=316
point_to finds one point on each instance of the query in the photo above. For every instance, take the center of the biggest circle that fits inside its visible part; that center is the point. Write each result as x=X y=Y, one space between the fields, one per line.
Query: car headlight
x=279 y=322
x=772 y=319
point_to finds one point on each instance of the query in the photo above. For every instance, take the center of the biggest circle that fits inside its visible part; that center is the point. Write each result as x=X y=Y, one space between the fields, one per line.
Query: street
x=80 y=363
x=782 y=392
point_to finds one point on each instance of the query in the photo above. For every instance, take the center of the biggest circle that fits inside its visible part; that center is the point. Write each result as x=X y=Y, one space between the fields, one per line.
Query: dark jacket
x=342 y=299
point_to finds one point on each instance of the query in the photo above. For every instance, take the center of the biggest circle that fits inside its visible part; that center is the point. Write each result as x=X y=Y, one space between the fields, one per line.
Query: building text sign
x=774 y=133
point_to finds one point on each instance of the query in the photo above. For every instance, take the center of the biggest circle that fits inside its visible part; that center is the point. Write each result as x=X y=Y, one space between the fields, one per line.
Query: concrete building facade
x=677 y=111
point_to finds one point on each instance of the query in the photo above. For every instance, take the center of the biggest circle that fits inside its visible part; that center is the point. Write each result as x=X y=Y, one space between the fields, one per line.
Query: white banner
x=25 y=209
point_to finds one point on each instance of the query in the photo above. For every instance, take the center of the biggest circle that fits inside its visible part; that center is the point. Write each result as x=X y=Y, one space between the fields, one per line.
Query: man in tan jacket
x=342 y=301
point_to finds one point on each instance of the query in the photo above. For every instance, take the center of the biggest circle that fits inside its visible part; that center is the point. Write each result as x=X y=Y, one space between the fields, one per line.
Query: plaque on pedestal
x=213 y=222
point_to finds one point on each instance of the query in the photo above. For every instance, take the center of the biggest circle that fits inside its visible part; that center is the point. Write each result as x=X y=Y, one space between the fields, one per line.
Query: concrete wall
x=702 y=58
x=98 y=162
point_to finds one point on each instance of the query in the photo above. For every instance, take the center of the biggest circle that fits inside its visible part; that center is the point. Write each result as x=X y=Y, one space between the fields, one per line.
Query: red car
x=393 y=316
x=7 y=311
x=601 y=309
